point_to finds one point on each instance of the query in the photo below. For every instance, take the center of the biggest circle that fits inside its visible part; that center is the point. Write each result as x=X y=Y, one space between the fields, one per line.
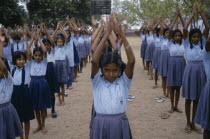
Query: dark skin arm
x=3 y=68
x=208 y=44
x=173 y=23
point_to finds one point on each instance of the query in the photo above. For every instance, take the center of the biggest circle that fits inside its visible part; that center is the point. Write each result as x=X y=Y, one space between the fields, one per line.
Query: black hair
x=42 y=33
x=6 y=40
x=110 y=58
x=173 y=33
x=157 y=31
x=193 y=31
x=164 y=32
x=17 y=37
x=45 y=40
x=38 y=49
x=6 y=63
x=17 y=55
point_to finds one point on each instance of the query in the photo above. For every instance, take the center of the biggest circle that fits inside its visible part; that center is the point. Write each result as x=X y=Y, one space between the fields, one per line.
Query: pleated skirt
x=203 y=111
x=176 y=71
x=143 y=49
x=194 y=80
x=10 y=126
x=164 y=63
x=156 y=58
x=149 y=52
x=22 y=101
x=40 y=92
x=111 y=127
x=62 y=70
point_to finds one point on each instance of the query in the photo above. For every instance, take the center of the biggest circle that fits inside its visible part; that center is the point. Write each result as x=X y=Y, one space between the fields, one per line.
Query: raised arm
x=1 y=45
x=99 y=49
x=43 y=47
x=206 y=24
x=3 y=68
x=208 y=44
x=185 y=29
x=173 y=23
x=95 y=43
x=57 y=28
x=129 y=53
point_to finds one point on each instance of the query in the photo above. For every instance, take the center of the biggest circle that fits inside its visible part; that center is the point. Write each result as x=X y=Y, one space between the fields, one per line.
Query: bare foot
x=172 y=110
x=44 y=130
x=197 y=129
x=37 y=129
x=59 y=103
x=154 y=87
x=177 y=110
x=63 y=103
x=151 y=78
x=188 y=129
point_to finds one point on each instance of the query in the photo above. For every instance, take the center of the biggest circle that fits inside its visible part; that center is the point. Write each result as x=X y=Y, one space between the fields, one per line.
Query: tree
x=51 y=11
x=12 y=13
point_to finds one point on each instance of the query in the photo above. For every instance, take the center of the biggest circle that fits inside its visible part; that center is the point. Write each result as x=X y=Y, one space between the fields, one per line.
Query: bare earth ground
x=143 y=113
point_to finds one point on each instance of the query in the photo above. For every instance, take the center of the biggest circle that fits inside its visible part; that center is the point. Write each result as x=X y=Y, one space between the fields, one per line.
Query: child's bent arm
x=3 y=68
x=208 y=44
x=43 y=48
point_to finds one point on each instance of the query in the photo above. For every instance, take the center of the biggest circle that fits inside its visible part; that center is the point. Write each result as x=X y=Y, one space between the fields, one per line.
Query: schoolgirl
x=143 y=35
x=10 y=126
x=194 y=78
x=38 y=86
x=111 y=121
x=177 y=65
x=156 y=54
x=203 y=113
x=81 y=50
x=18 y=44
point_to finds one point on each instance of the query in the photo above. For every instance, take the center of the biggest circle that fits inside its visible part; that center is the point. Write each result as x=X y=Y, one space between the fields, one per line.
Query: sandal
x=197 y=130
x=164 y=115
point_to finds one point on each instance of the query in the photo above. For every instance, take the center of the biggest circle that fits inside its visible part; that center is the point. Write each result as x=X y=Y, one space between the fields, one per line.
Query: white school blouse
x=19 y=46
x=6 y=89
x=110 y=98
x=51 y=55
x=176 y=49
x=195 y=53
x=17 y=78
x=38 y=68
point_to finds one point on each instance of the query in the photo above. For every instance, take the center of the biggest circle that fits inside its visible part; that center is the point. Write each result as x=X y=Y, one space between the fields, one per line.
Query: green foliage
x=12 y=13
x=138 y=10
x=51 y=11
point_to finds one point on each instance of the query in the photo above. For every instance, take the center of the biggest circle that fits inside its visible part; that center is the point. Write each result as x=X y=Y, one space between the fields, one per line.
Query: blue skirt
x=61 y=71
x=51 y=78
x=22 y=101
x=40 y=92
x=76 y=56
x=86 y=48
x=164 y=63
x=203 y=112
x=81 y=50
x=111 y=127
x=93 y=115
x=10 y=126
x=156 y=58
x=143 y=49
x=176 y=71
x=194 y=80
x=149 y=52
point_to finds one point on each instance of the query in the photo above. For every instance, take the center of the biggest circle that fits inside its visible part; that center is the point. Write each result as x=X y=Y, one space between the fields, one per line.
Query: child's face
x=167 y=34
x=38 y=56
x=20 y=62
x=196 y=38
x=60 y=42
x=111 y=72
x=177 y=37
x=47 y=45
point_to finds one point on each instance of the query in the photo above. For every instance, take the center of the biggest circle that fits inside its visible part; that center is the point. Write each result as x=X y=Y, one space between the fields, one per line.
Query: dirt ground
x=143 y=113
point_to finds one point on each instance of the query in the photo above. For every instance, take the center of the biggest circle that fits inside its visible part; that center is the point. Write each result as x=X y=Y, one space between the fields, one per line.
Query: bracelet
x=127 y=47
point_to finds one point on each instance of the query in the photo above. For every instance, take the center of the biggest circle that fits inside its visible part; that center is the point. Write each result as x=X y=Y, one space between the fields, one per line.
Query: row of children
x=182 y=59
x=35 y=65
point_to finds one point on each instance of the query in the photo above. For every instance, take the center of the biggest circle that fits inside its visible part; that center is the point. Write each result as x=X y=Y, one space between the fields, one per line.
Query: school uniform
x=203 y=111
x=89 y=45
x=38 y=86
x=7 y=52
x=119 y=48
x=21 y=97
x=110 y=101
x=86 y=45
x=157 y=52
x=10 y=126
x=81 y=47
x=50 y=73
x=20 y=46
x=177 y=64
x=150 y=47
x=71 y=62
x=164 y=57
x=194 y=77
x=143 y=45
x=62 y=63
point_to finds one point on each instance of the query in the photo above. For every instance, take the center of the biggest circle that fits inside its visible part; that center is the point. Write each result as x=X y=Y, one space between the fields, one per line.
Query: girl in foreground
x=110 y=90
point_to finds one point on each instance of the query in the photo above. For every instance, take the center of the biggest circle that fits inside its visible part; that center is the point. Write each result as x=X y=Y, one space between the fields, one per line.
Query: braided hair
x=193 y=31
